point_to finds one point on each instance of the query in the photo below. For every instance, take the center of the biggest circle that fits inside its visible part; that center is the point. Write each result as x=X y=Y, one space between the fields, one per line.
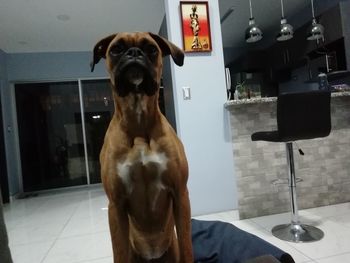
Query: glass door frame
x=81 y=99
x=82 y=112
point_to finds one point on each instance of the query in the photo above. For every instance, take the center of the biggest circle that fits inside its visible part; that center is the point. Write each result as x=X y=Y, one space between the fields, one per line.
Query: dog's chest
x=141 y=171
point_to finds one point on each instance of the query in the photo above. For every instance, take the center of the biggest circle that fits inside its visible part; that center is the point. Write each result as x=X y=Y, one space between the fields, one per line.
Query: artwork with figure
x=196 y=44
x=195 y=26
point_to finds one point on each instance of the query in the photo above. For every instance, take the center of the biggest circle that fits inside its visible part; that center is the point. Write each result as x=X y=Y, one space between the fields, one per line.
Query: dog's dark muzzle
x=135 y=73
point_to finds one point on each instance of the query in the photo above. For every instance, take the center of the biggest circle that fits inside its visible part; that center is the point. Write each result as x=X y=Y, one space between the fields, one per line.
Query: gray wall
x=11 y=167
x=3 y=73
x=50 y=66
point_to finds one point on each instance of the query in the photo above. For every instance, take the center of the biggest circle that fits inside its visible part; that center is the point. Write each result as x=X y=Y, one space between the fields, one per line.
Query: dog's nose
x=134 y=52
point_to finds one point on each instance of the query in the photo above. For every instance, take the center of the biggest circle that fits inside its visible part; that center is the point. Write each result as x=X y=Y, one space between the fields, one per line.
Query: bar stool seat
x=300 y=116
x=270 y=136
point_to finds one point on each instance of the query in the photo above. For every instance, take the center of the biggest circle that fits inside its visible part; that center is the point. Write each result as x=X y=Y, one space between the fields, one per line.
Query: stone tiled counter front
x=324 y=169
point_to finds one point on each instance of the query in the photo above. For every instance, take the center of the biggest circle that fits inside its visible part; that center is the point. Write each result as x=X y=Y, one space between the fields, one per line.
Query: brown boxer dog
x=143 y=165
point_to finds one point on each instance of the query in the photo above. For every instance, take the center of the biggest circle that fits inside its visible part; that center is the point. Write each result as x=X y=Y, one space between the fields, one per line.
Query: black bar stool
x=300 y=116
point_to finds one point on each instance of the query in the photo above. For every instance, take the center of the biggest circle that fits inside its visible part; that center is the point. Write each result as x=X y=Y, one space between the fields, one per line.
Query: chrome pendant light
x=253 y=33
x=286 y=30
x=317 y=30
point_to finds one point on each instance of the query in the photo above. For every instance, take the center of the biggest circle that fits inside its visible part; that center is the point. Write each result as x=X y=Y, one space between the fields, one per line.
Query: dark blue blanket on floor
x=219 y=242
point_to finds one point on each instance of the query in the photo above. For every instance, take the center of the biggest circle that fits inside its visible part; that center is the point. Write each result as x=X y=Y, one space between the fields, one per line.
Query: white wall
x=202 y=122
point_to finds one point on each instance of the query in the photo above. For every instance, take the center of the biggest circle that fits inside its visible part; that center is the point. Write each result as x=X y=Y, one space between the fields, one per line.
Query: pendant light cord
x=312 y=8
x=250 y=7
x=282 y=8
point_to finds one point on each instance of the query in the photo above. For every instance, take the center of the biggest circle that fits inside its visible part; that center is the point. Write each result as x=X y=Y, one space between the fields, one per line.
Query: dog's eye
x=151 y=49
x=117 y=49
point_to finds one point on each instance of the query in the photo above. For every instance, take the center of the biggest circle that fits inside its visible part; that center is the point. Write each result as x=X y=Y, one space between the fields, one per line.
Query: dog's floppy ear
x=169 y=48
x=100 y=50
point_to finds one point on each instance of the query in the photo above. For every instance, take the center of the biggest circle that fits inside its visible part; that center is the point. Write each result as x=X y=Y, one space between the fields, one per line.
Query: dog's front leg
x=182 y=212
x=119 y=228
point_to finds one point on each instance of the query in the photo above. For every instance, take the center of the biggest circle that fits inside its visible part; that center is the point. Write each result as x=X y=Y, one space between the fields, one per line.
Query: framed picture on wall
x=195 y=26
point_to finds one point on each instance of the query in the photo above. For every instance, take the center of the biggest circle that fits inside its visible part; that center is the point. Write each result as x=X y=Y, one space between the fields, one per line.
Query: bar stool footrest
x=285 y=181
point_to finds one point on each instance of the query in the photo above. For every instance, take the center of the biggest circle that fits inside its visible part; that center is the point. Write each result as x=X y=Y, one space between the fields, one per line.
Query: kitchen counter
x=230 y=103
x=261 y=167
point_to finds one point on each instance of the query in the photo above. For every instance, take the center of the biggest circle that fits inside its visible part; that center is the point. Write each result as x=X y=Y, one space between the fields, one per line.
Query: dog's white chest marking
x=147 y=159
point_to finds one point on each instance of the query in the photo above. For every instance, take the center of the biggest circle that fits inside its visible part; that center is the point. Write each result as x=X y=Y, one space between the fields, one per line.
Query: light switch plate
x=186 y=93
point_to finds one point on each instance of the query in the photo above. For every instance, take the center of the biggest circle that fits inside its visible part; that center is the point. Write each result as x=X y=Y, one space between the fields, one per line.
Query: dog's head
x=134 y=61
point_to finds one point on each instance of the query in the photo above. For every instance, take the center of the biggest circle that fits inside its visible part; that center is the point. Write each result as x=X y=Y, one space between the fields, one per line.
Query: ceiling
x=267 y=16
x=65 y=25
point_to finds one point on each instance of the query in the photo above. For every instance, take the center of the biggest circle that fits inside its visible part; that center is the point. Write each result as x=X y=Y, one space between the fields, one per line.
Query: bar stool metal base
x=297 y=233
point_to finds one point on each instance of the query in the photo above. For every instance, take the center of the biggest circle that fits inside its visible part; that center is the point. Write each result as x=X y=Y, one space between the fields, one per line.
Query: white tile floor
x=72 y=226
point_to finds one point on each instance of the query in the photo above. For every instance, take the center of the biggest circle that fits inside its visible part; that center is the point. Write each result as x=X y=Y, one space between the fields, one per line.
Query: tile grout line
x=251 y=221
x=84 y=261
x=54 y=242
x=32 y=212
x=85 y=234
x=285 y=242
x=332 y=256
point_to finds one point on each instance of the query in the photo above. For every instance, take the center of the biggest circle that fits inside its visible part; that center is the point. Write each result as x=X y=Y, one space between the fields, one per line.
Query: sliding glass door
x=50 y=135
x=61 y=127
x=98 y=110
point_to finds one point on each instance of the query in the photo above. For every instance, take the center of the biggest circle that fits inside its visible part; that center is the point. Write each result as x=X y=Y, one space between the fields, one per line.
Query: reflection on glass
x=98 y=110
x=51 y=131
x=50 y=135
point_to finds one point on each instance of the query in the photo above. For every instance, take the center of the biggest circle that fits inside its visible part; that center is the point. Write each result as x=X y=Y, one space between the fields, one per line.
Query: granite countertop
x=232 y=103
